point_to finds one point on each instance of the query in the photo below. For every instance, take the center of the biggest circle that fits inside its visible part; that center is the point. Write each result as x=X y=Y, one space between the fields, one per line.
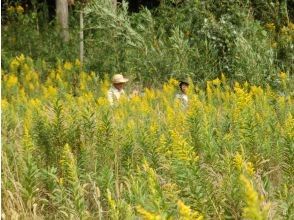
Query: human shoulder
x=179 y=96
x=111 y=90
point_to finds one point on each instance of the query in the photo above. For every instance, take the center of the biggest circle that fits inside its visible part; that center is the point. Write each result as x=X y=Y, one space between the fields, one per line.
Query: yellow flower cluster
x=185 y=212
x=11 y=81
x=242 y=165
x=180 y=149
x=283 y=75
x=253 y=209
x=68 y=164
x=146 y=215
x=151 y=177
x=17 y=9
x=270 y=26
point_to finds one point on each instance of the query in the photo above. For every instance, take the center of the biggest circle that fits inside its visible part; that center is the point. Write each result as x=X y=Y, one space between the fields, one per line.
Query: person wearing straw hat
x=116 y=90
x=183 y=97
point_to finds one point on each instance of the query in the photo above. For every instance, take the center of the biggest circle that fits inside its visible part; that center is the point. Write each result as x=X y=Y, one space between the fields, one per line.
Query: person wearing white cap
x=116 y=90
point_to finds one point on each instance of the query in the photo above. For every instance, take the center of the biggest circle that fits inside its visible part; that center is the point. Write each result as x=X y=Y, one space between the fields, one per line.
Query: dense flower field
x=67 y=154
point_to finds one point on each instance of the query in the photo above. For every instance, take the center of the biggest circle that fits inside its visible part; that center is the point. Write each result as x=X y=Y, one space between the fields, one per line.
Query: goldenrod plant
x=68 y=154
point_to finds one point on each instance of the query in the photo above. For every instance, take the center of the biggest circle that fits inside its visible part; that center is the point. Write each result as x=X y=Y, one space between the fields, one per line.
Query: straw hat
x=119 y=78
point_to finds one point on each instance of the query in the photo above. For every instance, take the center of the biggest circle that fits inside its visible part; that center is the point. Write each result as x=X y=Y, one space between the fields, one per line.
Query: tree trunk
x=62 y=18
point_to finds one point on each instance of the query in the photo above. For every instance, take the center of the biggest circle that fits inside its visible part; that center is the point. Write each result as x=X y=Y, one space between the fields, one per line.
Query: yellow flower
x=28 y=77
x=35 y=103
x=131 y=125
x=77 y=63
x=185 y=213
x=244 y=99
x=19 y=9
x=102 y=101
x=242 y=165
x=291 y=26
x=31 y=86
x=145 y=107
x=83 y=76
x=92 y=75
x=82 y=85
x=150 y=93
x=283 y=75
x=52 y=91
x=151 y=178
x=4 y=103
x=250 y=168
x=88 y=96
x=251 y=195
x=216 y=82
x=27 y=139
x=67 y=66
x=147 y=215
x=257 y=91
x=10 y=10
x=52 y=74
x=181 y=149
x=68 y=165
x=34 y=75
x=21 y=58
x=284 y=30
x=289 y=125
x=49 y=92
x=237 y=85
x=105 y=86
x=11 y=81
x=173 y=82
x=22 y=94
x=14 y=64
x=253 y=208
x=270 y=26
x=183 y=209
x=37 y=85
x=58 y=77
x=238 y=161
x=274 y=45
x=168 y=88
x=153 y=128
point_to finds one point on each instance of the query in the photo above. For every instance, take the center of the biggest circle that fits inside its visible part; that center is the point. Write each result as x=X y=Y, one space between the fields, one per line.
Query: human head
x=118 y=81
x=184 y=86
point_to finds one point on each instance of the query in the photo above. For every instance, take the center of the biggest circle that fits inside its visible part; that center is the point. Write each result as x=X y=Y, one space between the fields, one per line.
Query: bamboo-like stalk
x=81 y=37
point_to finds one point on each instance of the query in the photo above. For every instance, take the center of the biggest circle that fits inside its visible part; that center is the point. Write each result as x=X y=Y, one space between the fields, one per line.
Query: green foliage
x=245 y=40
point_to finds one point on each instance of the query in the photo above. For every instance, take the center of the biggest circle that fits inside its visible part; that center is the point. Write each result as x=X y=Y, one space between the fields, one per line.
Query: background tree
x=62 y=18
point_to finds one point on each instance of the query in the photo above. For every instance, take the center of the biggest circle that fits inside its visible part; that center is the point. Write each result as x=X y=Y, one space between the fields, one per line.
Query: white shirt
x=114 y=94
x=183 y=98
